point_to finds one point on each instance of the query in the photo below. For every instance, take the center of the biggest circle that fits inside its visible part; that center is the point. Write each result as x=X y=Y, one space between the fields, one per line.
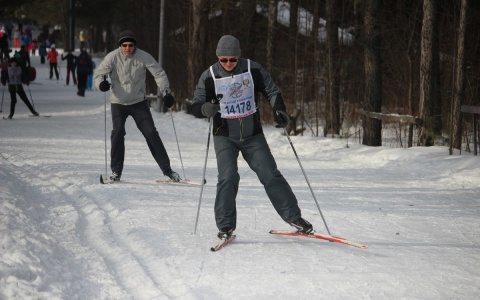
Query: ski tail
x=329 y=238
x=186 y=182
x=106 y=180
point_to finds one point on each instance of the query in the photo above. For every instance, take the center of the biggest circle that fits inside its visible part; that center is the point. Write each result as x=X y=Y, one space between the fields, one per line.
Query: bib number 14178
x=239 y=108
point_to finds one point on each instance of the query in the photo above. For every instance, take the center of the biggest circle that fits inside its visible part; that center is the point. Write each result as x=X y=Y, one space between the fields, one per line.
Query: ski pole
x=306 y=178
x=203 y=177
x=59 y=68
x=33 y=104
x=105 y=118
x=219 y=96
x=178 y=145
x=3 y=94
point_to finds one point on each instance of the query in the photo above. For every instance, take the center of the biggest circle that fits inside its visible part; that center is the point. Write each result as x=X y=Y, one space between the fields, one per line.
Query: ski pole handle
x=217 y=99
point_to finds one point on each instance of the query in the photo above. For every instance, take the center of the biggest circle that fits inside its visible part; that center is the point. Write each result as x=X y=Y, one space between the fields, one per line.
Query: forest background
x=347 y=68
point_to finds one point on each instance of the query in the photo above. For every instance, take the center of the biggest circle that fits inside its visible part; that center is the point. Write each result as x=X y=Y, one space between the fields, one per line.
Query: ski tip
x=101 y=179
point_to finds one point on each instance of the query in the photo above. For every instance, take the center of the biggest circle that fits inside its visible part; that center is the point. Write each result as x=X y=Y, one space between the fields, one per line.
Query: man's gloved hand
x=281 y=118
x=168 y=100
x=104 y=86
x=210 y=109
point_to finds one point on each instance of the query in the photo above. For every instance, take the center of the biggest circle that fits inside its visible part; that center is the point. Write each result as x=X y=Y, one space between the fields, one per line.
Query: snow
x=66 y=236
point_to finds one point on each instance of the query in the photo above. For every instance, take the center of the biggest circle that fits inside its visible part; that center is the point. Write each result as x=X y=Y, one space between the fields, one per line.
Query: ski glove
x=168 y=100
x=210 y=109
x=104 y=86
x=281 y=118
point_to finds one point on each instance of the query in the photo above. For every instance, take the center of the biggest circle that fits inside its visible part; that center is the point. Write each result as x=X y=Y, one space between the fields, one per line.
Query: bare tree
x=425 y=137
x=316 y=63
x=459 y=97
x=196 y=49
x=372 y=128
x=332 y=109
x=272 y=17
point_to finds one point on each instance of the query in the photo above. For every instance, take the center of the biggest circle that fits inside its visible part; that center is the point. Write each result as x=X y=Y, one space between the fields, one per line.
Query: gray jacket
x=127 y=75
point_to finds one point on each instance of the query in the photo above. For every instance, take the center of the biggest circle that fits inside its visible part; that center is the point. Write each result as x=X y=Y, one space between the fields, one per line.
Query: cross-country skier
x=127 y=67
x=237 y=128
x=13 y=75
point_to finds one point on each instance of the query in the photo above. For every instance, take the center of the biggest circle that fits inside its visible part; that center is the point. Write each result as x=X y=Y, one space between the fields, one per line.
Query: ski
x=29 y=116
x=44 y=116
x=181 y=182
x=330 y=238
x=106 y=180
x=222 y=243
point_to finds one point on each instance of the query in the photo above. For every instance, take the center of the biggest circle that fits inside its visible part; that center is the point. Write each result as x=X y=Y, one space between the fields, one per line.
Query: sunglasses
x=225 y=60
x=128 y=45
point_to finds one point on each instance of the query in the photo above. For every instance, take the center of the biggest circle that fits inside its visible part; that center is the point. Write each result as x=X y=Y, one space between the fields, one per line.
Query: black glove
x=168 y=100
x=104 y=86
x=210 y=109
x=281 y=118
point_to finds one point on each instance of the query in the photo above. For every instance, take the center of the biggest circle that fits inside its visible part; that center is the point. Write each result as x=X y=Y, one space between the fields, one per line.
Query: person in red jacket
x=52 y=56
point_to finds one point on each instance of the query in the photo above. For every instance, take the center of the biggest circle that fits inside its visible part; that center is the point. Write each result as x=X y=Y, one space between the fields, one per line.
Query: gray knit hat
x=127 y=36
x=228 y=46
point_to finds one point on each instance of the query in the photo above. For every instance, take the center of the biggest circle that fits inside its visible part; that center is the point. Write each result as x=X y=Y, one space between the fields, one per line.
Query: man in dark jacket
x=70 y=66
x=234 y=84
x=84 y=67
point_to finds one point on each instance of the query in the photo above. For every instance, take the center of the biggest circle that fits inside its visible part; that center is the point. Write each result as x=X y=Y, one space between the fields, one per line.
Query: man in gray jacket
x=127 y=67
x=228 y=91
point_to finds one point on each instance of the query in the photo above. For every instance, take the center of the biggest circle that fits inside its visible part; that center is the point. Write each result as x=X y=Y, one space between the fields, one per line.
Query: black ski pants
x=257 y=154
x=53 y=67
x=82 y=84
x=142 y=116
x=15 y=89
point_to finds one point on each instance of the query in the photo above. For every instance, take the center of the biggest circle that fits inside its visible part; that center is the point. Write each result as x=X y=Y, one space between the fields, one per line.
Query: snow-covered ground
x=66 y=236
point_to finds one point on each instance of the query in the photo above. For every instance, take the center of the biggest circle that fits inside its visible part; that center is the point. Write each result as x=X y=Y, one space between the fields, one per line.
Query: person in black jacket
x=84 y=67
x=228 y=92
x=70 y=66
x=13 y=75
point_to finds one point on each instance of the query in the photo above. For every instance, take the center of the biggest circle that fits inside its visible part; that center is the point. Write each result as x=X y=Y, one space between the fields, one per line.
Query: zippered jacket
x=240 y=128
x=128 y=74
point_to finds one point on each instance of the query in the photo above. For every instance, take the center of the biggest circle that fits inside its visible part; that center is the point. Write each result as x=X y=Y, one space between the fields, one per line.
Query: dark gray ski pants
x=257 y=154
x=142 y=116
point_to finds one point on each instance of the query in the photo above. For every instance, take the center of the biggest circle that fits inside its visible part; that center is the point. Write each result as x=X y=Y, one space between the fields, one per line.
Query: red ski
x=222 y=243
x=330 y=238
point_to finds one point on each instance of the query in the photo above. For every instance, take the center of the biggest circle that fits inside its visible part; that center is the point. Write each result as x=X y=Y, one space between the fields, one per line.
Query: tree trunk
x=272 y=17
x=316 y=62
x=372 y=128
x=196 y=53
x=293 y=38
x=332 y=109
x=459 y=79
x=426 y=136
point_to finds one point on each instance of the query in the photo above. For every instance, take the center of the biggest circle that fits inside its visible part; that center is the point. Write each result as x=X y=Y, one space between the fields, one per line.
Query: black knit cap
x=127 y=36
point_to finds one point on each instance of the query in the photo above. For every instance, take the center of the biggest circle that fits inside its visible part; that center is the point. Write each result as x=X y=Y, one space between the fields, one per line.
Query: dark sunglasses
x=225 y=60
x=128 y=45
